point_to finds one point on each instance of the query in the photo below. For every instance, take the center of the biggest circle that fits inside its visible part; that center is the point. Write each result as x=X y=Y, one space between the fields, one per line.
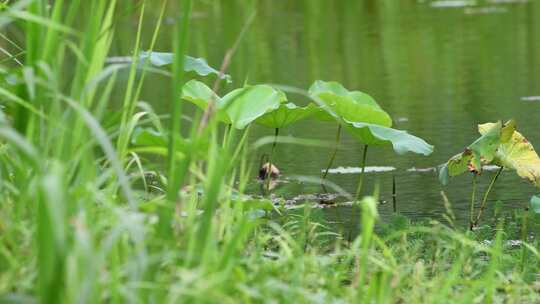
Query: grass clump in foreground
x=81 y=222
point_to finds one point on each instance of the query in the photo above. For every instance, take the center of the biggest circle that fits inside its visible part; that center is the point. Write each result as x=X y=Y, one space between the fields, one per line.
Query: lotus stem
x=333 y=157
x=362 y=172
x=269 y=173
x=524 y=238
x=484 y=201
x=473 y=202
x=394 y=194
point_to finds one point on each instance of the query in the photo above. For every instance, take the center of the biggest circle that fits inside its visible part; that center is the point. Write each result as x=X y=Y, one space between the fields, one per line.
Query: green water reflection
x=438 y=71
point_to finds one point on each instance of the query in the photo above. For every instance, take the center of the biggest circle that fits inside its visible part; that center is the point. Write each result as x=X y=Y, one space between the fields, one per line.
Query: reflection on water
x=441 y=68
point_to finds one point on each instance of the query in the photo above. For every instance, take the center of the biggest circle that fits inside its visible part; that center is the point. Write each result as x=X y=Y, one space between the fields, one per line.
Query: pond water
x=438 y=67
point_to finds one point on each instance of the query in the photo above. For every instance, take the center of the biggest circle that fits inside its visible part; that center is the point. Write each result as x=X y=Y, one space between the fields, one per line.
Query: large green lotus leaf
x=200 y=95
x=518 y=154
x=286 y=114
x=336 y=88
x=325 y=115
x=245 y=105
x=401 y=141
x=351 y=110
x=191 y=64
x=349 y=105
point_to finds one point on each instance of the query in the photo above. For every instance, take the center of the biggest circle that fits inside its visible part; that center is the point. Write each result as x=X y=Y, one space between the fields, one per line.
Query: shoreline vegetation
x=86 y=215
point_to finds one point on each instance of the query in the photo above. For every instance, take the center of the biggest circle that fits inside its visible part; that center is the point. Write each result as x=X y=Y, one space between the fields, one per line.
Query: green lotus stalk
x=501 y=145
x=364 y=119
x=333 y=157
x=486 y=195
x=524 y=233
x=473 y=202
x=267 y=178
x=394 y=194
x=362 y=172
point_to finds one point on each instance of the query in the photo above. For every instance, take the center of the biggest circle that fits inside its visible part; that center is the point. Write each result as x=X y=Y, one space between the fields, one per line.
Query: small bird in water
x=268 y=170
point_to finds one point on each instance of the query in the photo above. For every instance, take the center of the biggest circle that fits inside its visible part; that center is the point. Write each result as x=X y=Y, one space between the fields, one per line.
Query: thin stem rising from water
x=473 y=202
x=394 y=194
x=333 y=157
x=363 y=166
x=484 y=201
x=268 y=176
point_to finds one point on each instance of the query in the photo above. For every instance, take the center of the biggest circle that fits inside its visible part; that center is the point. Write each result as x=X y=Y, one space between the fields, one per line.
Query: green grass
x=77 y=224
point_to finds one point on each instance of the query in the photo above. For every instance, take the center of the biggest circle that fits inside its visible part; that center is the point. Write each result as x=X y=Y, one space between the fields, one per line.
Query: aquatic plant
x=239 y=107
x=157 y=62
x=362 y=117
x=501 y=145
x=261 y=104
x=357 y=112
x=284 y=116
x=67 y=234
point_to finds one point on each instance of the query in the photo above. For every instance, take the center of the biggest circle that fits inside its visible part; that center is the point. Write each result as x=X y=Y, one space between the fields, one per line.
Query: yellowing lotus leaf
x=484 y=148
x=481 y=152
x=516 y=153
x=519 y=154
x=460 y=163
x=507 y=130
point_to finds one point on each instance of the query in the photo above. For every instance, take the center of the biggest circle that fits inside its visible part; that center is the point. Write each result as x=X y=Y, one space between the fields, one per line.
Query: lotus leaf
x=191 y=64
x=199 y=94
x=239 y=107
x=516 y=153
x=246 y=104
x=480 y=152
x=286 y=114
x=401 y=141
x=350 y=105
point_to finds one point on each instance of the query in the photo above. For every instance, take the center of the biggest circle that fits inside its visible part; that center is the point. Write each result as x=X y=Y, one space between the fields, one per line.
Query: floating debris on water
x=355 y=170
x=326 y=206
x=315 y=200
x=452 y=3
x=422 y=170
x=317 y=197
x=485 y=10
x=402 y=119
x=377 y=169
x=530 y=98
x=507 y=1
x=490 y=168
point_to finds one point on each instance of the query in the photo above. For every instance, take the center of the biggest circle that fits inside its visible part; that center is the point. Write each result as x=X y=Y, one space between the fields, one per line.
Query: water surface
x=438 y=68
